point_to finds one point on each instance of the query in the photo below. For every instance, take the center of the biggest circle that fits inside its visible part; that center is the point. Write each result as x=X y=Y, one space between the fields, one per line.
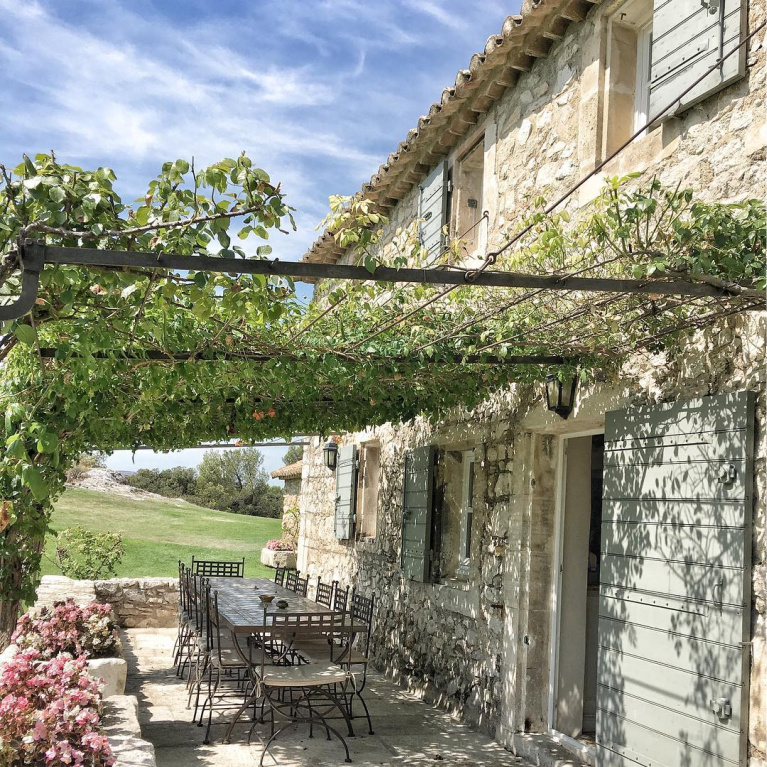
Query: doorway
x=573 y=684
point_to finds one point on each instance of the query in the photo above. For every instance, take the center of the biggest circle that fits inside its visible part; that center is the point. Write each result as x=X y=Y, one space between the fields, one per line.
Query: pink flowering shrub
x=279 y=545
x=66 y=627
x=50 y=711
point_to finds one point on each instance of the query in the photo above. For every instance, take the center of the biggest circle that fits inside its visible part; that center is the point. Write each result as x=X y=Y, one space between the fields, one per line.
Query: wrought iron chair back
x=302 y=586
x=362 y=613
x=182 y=592
x=325 y=593
x=197 y=601
x=213 y=621
x=218 y=569
x=340 y=598
x=290 y=579
x=279 y=576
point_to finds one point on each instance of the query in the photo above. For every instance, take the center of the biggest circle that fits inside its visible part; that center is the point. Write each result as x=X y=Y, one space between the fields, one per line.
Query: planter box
x=112 y=672
x=278 y=558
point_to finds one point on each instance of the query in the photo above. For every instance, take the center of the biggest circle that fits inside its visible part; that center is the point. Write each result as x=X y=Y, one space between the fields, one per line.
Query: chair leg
x=206 y=740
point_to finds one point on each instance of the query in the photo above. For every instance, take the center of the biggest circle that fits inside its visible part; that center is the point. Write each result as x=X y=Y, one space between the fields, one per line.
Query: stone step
x=545 y=751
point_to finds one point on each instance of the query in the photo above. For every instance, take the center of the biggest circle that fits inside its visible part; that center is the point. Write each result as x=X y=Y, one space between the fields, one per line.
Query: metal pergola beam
x=51 y=352
x=216 y=445
x=34 y=252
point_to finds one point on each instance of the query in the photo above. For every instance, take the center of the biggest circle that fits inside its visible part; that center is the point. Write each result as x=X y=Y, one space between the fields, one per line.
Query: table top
x=243 y=612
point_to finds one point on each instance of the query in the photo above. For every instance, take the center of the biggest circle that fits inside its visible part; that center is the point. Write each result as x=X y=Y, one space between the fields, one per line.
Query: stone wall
x=482 y=647
x=137 y=602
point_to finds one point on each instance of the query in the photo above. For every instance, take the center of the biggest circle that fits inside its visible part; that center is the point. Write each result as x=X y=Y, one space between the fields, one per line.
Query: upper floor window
x=662 y=59
x=628 y=71
x=467 y=197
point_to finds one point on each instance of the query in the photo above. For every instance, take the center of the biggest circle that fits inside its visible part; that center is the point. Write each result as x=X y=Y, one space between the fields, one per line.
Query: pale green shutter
x=417 y=503
x=688 y=37
x=346 y=492
x=432 y=210
x=675 y=584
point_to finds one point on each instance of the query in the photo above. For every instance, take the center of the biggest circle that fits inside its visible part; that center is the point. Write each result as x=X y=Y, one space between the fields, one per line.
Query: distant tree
x=178 y=482
x=235 y=469
x=293 y=453
x=235 y=480
x=265 y=502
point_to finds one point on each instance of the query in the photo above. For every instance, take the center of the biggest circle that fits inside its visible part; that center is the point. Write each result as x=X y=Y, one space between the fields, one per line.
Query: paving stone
x=407 y=730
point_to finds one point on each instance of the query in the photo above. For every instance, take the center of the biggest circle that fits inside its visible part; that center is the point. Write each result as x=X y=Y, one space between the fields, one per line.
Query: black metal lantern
x=330 y=454
x=560 y=397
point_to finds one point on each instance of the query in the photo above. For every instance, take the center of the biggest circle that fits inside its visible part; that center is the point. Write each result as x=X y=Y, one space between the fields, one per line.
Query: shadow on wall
x=675 y=569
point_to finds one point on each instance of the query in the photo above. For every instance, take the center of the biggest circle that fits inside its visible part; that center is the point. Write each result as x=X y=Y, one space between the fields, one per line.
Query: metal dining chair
x=279 y=575
x=304 y=693
x=302 y=587
x=325 y=593
x=290 y=579
x=355 y=649
x=211 y=568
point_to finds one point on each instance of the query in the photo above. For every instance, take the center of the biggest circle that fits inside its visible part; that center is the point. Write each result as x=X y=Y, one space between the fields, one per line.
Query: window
x=467 y=514
x=454 y=513
x=467 y=197
x=437 y=514
x=628 y=75
x=369 y=476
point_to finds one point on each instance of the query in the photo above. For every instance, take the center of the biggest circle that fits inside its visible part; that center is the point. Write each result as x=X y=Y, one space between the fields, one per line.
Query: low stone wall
x=141 y=602
x=137 y=602
x=121 y=726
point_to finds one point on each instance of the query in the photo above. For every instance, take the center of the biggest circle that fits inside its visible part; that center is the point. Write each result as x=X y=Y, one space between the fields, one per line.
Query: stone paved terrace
x=407 y=731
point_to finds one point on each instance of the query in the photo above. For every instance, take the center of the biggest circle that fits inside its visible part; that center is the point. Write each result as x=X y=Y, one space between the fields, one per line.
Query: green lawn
x=156 y=534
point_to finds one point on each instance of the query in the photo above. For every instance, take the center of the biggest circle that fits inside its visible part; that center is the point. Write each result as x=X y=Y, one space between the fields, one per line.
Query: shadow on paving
x=407 y=731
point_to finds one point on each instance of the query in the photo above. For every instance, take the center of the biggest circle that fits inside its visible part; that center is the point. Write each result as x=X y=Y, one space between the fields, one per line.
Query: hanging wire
x=492 y=257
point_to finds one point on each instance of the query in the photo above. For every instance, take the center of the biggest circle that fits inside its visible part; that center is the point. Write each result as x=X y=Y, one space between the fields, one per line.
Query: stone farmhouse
x=591 y=587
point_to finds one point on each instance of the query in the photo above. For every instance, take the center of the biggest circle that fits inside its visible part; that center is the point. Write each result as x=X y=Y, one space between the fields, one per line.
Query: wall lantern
x=560 y=397
x=330 y=454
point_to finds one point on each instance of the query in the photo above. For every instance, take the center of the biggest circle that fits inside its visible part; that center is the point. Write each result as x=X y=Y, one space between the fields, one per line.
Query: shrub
x=281 y=545
x=50 y=711
x=82 y=554
x=68 y=628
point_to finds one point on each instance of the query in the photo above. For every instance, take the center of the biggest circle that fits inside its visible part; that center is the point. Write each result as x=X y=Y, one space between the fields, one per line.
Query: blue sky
x=318 y=92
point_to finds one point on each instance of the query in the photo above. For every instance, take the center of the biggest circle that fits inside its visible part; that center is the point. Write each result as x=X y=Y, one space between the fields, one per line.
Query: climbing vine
x=240 y=356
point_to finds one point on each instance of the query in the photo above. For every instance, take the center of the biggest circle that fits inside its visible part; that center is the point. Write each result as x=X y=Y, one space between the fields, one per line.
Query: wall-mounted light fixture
x=560 y=397
x=330 y=454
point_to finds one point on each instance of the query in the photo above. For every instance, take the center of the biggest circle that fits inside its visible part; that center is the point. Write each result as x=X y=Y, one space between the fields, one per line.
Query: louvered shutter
x=432 y=209
x=688 y=37
x=417 y=502
x=346 y=492
x=675 y=584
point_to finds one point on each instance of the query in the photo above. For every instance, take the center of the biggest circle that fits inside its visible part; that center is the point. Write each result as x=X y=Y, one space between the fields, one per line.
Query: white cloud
x=317 y=93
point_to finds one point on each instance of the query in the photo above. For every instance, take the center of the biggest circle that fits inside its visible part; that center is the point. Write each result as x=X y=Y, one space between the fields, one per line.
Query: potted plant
x=279 y=553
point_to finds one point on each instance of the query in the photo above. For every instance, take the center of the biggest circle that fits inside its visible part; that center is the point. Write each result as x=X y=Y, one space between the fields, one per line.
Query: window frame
x=367 y=505
x=643 y=68
x=457 y=189
x=467 y=514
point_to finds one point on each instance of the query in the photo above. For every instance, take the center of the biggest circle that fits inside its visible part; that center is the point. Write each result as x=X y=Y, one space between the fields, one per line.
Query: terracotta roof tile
x=291 y=471
x=522 y=39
